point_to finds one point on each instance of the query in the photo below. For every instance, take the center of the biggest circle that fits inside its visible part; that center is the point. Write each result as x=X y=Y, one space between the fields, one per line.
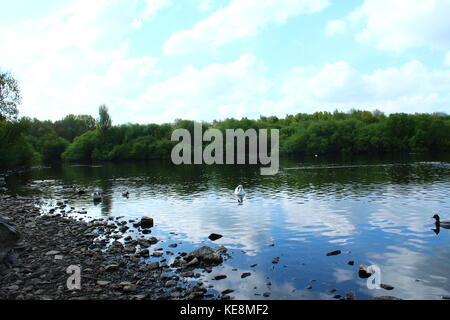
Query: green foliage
x=14 y=149
x=104 y=122
x=80 y=138
x=73 y=126
x=82 y=148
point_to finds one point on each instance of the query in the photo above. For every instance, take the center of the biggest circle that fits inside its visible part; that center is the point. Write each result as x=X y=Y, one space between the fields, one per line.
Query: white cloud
x=151 y=8
x=216 y=91
x=402 y=24
x=75 y=58
x=206 y=5
x=410 y=88
x=240 y=19
x=335 y=27
x=447 y=59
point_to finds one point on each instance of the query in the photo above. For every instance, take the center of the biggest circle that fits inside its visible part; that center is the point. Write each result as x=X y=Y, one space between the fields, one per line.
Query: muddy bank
x=36 y=267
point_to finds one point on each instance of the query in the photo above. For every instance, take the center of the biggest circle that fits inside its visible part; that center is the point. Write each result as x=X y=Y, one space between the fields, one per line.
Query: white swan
x=239 y=191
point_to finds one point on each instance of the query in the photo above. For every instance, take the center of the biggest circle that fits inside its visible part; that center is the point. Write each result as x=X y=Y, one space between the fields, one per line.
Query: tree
x=104 y=122
x=10 y=96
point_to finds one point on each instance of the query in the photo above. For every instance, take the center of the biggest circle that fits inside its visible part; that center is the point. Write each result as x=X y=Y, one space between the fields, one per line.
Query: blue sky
x=158 y=60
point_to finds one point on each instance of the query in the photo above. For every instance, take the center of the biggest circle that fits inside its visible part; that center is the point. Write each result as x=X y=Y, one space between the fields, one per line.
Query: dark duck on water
x=440 y=224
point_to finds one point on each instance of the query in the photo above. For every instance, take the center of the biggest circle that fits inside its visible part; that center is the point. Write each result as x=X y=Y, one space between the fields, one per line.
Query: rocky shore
x=39 y=265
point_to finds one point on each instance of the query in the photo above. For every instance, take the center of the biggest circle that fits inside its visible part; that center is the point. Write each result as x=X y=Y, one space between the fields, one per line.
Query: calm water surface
x=374 y=211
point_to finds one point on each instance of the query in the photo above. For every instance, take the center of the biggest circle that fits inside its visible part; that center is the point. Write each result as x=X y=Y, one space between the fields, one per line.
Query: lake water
x=375 y=211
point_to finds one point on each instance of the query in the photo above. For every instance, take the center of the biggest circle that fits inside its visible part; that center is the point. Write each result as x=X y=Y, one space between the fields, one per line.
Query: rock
x=351 y=263
x=129 y=288
x=333 y=253
x=207 y=255
x=170 y=283
x=144 y=243
x=52 y=253
x=227 y=291
x=111 y=267
x=157 y=254
x=266 y=294
x=363 y=273
x=349 y=296
x=173 y=245
x=146 y=222
x=192 y=263
x=386 y=286
x=14 y=287
x=102 y=283
x=219 y=277
x=309 y=287
x=153 y=265
x=196 y=295
x=245 y=275
x=130 y=249
x=276 y=260
x=337 y=296
x=214 y=236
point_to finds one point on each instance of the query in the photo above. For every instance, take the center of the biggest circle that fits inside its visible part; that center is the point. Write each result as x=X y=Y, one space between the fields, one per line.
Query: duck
x=97 y=196
x=441 y=224
x=125 y=194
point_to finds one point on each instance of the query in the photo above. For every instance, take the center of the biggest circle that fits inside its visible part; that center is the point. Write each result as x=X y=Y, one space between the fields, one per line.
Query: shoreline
x=51 y=243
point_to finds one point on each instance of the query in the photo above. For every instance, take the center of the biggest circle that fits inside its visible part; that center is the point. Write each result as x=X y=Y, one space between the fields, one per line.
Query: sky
x=154 y=61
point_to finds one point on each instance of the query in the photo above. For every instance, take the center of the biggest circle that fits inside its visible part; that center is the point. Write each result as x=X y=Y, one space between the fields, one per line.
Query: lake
x=376 y=211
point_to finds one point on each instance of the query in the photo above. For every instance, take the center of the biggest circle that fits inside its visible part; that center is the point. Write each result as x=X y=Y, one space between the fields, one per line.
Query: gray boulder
x=207 y=255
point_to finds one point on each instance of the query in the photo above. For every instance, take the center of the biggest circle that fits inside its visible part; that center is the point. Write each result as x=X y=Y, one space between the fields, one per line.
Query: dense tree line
x=83 y=138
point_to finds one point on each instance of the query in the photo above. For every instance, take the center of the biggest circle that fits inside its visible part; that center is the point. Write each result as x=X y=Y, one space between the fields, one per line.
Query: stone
x=153 y=265
x=349 y=296
x=333 y=253
x=245 y=275
x=111 y=267
x=386 y=286
x=207 y=255
x=52 y=253
x=192 y=263
x=227 y=291
x=363 y=272
x=144 y=243
x=146 y=222
x=214 y=236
